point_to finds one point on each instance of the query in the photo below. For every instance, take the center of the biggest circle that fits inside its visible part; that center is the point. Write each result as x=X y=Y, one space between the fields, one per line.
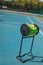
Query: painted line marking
x=32 y=23
x=38 y=20
x=30 y=20
x=41 y=32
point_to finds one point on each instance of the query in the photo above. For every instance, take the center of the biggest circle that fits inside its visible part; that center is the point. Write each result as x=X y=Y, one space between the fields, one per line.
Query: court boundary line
x=32 y=23
x=38 y=20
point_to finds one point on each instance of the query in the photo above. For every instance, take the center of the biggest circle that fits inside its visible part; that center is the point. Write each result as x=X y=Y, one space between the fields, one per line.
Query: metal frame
x=19 y=57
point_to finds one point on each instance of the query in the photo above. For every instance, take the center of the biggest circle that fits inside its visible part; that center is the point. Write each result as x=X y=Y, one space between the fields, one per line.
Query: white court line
x=38 y=20
x=30 y=20
x=41 y=32
x=32 y=23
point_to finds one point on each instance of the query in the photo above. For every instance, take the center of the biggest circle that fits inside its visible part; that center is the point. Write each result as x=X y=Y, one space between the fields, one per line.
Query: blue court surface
x=10 y=39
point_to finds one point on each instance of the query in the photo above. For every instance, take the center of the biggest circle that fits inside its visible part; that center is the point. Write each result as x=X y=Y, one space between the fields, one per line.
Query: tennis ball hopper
x=28 y=31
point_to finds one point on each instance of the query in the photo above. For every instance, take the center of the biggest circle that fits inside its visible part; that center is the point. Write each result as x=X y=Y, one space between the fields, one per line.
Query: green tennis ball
x=29 y=29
